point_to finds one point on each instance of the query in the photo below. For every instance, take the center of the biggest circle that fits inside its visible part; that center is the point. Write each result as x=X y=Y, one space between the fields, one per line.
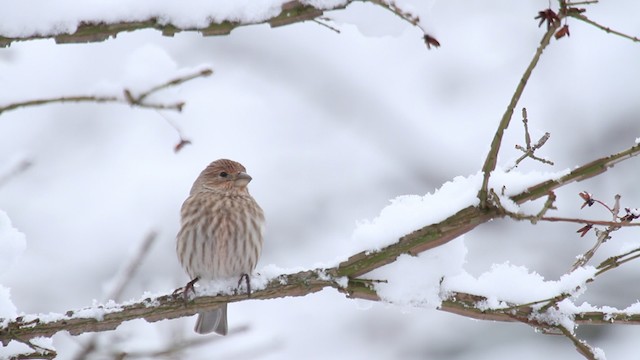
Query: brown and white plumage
x=221 y=233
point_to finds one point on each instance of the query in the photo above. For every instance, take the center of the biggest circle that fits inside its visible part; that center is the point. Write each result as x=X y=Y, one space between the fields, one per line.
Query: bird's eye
x=224 y=174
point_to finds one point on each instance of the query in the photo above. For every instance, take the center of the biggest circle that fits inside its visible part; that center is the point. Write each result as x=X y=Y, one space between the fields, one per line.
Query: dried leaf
x=548 y=16
x=584 y=230
x=181 y=144
x=562 y=32
x=431 y=41
x=588 y=200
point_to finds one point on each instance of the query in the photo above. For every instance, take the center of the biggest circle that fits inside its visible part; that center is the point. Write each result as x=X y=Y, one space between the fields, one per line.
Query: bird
x=221 y=234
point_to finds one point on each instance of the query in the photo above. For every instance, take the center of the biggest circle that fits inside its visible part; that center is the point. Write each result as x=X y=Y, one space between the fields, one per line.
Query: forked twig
x=529 y=150
x=128 y=97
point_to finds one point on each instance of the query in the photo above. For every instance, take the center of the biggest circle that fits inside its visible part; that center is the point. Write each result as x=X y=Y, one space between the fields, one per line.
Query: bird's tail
x=212 y=321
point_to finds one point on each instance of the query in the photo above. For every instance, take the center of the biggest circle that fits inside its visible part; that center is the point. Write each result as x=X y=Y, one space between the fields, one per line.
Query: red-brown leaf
x=562 y=32
x=431 y=41
x=584 y=230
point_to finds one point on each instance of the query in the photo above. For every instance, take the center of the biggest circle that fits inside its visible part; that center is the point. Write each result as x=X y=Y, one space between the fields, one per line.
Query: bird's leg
x=247 y=281
x=189 y=287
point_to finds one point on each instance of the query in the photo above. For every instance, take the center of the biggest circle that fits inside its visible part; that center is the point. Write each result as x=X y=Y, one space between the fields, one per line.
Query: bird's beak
x=242 y=179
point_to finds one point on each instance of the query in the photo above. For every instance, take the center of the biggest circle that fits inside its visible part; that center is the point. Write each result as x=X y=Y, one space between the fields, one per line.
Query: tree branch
x=292 y=12
x=492 y=157
x=307 y=282
x=299 y=284
x=157 y=308
x=418 y=241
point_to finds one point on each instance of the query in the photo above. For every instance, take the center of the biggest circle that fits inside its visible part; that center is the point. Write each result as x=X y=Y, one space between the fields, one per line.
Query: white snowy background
x=331 y=127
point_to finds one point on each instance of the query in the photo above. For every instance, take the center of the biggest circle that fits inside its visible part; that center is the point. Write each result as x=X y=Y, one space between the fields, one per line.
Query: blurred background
x=331 y=126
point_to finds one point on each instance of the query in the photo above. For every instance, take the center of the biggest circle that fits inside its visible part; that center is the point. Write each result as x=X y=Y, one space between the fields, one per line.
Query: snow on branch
x=153 y=308
x=291 y=12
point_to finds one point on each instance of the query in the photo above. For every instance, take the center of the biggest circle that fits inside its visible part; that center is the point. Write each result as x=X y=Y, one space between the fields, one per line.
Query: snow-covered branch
x=155 y=308
x=291 y=12
x=345 y=277
x=467 y=305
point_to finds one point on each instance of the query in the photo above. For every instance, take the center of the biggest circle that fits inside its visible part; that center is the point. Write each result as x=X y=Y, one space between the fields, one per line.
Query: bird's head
x=222 y=174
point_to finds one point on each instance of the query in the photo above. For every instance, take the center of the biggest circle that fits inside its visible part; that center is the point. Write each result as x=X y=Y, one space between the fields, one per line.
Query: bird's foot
x=247 y=281
x=184 y=291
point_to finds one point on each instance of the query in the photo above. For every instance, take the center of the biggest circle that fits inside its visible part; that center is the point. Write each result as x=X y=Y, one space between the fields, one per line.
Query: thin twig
x=615 y=261
x=179 y=346
x=588 y=2
x=322 y=23
x=17 y=169
x=127 y=97
x=404 y=15
x=175 y=82
x=124 y=277
x=89 y=98
x=601 y=237
x=410 y=18
x=121 y=281
x=583 y=348
x=582 y=17
x=183 y=141
x=584 y=221
x=38 y=352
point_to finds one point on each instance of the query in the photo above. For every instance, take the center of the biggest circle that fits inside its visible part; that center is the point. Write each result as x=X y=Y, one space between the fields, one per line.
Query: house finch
x=221 y=233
